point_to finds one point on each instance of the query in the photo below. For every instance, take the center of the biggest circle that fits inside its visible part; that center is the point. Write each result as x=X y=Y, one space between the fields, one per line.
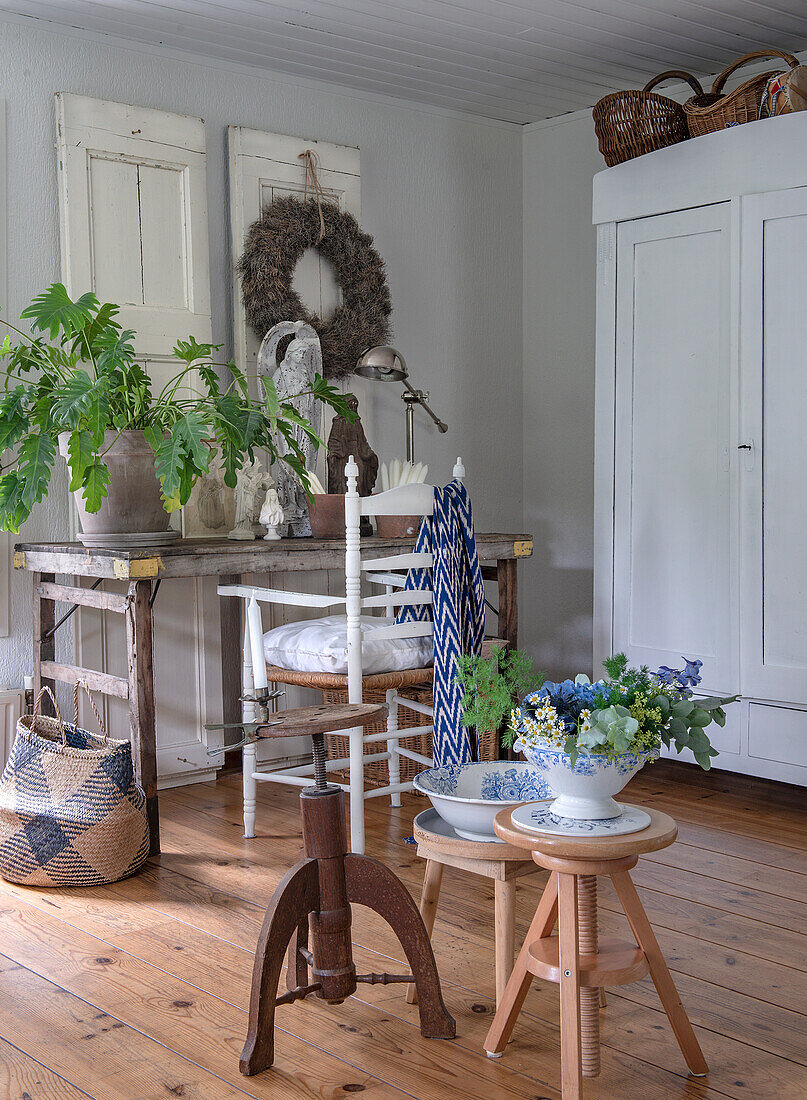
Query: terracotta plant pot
x=133 y=512
x=327 y=515
x=397 y=527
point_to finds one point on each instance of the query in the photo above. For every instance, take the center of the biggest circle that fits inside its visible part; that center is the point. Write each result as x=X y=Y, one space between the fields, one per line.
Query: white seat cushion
x=320 y=645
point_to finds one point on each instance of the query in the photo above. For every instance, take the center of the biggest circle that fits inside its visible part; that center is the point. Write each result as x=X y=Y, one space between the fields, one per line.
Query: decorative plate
x=537 y=818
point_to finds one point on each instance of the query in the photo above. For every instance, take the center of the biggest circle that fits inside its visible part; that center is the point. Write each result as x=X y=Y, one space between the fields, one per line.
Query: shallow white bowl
x=468 y=796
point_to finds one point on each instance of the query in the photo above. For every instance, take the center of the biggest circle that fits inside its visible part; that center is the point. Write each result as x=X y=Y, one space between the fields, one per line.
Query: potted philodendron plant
x=589 y=739
x=133 y=454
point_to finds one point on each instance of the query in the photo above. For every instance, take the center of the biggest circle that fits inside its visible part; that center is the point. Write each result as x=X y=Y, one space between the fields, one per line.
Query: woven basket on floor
x=741 y=105
x=629 y=124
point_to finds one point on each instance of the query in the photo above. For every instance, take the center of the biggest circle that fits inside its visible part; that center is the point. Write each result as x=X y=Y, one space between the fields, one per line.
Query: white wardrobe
x=701 y=427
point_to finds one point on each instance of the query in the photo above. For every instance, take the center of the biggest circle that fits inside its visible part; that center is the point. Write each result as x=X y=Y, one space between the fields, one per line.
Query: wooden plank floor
x=138 y=991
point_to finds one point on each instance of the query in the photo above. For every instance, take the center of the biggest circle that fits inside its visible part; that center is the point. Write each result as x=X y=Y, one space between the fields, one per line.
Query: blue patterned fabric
x=458 y=611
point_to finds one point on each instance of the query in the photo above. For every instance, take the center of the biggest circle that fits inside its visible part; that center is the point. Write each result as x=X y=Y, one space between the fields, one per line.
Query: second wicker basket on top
x=739 y=106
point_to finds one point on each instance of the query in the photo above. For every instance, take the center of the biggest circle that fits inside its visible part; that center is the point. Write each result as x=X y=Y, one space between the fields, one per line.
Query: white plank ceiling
x=518 y=60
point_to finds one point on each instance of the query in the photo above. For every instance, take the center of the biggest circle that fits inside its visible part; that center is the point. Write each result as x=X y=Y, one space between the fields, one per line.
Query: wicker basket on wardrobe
x=741 y=105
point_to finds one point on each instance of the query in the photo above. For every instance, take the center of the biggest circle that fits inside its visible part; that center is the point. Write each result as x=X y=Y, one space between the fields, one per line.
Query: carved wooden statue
x=301 y=363
x=349 y=439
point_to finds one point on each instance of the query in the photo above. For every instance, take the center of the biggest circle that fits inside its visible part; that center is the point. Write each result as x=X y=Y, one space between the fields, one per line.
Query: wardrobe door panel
x=672 y=504
x=774 y=411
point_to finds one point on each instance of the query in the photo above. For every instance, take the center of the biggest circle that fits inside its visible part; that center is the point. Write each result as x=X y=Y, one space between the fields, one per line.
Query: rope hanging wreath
x=273 y=247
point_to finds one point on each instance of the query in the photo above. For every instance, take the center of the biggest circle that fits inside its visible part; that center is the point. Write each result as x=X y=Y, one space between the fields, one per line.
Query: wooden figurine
x=293 y=380
x=346 y=439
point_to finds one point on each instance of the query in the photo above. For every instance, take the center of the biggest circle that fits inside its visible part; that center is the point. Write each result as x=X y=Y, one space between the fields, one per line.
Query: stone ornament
x=271 y=515
x=251 y=483
x=296 y=374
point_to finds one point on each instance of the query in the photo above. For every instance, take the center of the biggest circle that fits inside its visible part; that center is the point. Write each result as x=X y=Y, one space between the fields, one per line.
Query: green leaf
x=74 y=400
x=170 y=458
x=189 y=350
x=54 y=309
x=193 y=429
x=683 y=708
x=663 y=704
x=13 y=417
x=12 y=509
x=699 y=717
x=80 y=454
x=35 y=463
x=96 y=482
x=719 y=715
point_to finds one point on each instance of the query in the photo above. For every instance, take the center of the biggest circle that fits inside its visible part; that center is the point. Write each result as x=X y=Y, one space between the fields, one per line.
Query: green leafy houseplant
x=493 y=685
x=77 y=376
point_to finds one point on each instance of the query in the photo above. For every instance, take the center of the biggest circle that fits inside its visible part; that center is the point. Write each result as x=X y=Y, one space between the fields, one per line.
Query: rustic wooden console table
x=144 y=569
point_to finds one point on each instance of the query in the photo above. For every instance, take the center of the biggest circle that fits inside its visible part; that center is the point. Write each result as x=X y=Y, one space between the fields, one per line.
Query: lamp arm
x=421 y=400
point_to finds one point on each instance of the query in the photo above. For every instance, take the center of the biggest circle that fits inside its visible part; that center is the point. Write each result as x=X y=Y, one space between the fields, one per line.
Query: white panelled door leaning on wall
x=133 y=216
x=263 y=167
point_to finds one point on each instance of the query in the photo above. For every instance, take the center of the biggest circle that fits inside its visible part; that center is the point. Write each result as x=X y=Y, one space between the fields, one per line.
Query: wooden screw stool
x=315 y=896
x=577 y=959
x=441 y=847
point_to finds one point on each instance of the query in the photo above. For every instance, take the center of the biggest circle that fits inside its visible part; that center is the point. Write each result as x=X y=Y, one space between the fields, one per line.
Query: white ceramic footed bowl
x=585 y=791
x=468 y=796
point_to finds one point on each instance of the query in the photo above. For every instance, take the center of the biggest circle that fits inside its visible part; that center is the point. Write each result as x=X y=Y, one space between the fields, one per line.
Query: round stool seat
x=660 y=833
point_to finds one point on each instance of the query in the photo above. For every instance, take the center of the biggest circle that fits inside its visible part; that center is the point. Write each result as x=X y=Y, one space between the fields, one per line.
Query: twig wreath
x=273 y=247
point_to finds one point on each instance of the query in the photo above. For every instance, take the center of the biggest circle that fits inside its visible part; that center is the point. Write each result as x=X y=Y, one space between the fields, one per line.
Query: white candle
x=256 y=643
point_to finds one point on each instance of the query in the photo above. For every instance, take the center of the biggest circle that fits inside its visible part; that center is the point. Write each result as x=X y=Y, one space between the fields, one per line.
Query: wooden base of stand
x=314 y=899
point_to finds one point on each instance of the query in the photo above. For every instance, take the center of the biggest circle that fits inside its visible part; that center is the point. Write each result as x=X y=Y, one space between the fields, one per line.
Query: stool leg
x=516 y=990
x=589 y=998
x=505 y=933
x=662 y=979
x=432 y=880
x=570 y=1044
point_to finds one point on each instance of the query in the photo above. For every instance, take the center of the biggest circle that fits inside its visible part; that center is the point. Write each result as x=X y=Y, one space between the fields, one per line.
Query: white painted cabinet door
x=673 y=513
x=774 y=410
x=134 y=230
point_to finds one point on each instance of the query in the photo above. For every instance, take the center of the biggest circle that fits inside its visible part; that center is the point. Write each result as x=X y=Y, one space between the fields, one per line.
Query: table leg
x=432 y=881
x=505 y=933
x=507 y=577
x=517 y=987
x=141 y=700
x=44 y=639
x=232 y=641
x=571 y=1072
x=662 y=979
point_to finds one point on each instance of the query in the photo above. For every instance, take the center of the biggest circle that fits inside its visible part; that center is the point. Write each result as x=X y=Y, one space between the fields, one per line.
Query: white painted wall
x=560 y=158
x=440 y=192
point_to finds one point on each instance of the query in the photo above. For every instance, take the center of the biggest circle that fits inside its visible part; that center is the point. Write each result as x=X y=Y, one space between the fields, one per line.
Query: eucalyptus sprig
x=77 y=375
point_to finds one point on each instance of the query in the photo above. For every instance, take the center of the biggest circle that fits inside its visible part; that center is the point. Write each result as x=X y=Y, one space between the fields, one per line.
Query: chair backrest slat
x=399 y=561
x=276 y=595
x=412 y=598
x=405 y=630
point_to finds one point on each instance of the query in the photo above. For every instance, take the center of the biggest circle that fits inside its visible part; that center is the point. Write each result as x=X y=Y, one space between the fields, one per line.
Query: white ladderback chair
x=390 y=572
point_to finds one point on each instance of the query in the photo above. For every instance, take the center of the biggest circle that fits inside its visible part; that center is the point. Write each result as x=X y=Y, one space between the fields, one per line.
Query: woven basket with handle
x=629 y=124
x=71 y=810
x=741 y=105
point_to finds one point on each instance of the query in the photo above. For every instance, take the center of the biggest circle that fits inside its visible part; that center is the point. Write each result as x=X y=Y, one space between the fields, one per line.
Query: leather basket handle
x=756 y=55
x=677 y=74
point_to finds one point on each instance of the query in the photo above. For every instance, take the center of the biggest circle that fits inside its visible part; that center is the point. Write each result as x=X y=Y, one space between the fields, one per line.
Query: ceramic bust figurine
x=251 y=481
x=271 y=514
x=301 y=363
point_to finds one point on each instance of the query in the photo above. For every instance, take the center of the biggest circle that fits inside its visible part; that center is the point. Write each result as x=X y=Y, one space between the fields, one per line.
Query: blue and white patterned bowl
x=468 y=796
x=585 y=791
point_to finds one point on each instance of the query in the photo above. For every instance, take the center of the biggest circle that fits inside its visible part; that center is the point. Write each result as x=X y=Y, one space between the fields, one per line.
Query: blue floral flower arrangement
x=631 y=710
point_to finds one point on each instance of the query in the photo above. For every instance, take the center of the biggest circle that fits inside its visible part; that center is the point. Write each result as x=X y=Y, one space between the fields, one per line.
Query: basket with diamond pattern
x=71 y=811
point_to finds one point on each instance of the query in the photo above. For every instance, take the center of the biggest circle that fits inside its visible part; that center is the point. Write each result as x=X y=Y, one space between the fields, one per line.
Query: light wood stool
x=441 y=847
x=576 y=959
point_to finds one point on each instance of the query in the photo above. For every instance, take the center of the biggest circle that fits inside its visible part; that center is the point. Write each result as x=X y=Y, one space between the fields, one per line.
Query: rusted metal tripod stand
x=315 y=896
